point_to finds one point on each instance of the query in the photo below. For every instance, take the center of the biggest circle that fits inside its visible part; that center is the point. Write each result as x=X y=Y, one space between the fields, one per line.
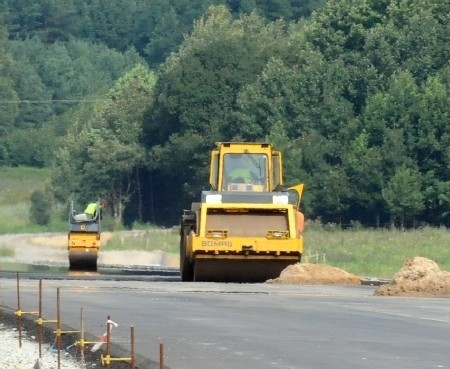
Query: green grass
x=379 y=252
x=16 y=186
x=21 y=267
x=6 y=251
x=13 y=267
x=152 y=239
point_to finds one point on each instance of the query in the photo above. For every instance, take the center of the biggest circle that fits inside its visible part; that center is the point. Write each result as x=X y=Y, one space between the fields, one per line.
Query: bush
x=39 y=209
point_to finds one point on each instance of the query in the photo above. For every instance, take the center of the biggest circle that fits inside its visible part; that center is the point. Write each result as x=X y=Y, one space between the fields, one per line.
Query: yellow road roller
x=246 y=228
x=83 y=242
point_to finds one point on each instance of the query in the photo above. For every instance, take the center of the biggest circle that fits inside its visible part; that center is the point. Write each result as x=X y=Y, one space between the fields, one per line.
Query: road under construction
x=253 y=326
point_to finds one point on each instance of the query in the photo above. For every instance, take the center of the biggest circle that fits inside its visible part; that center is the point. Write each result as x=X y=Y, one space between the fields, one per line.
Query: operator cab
x=245 y=172
x=245 y=167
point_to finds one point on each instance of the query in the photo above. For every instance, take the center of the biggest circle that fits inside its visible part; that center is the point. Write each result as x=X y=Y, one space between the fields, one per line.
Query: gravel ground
x=26 y=357
x=14 y=357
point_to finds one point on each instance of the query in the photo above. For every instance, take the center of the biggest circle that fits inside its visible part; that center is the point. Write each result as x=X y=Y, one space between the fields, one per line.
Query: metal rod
x=161 y=356
x=132 y=348
x=40 y=319
x=82 y=336
x=58 y=328
x=19 y=311
x=108 y=347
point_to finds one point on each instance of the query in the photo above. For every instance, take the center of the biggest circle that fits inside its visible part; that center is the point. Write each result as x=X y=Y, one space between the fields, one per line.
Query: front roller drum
x=240 y=269
x=83 y=260
x=186 y=267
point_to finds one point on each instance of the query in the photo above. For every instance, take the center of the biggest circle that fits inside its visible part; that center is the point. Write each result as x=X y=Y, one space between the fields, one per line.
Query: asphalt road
x=252 y=326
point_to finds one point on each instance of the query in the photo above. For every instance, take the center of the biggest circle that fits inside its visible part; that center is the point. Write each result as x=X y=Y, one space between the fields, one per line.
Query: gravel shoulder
x=27 y=356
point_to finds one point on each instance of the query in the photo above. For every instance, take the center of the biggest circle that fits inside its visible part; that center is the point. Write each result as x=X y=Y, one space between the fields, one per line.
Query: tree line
x=356 y=97
x=55 y=54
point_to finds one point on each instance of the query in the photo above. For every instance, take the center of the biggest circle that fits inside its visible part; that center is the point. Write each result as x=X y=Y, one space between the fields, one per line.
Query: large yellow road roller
x=246 y=228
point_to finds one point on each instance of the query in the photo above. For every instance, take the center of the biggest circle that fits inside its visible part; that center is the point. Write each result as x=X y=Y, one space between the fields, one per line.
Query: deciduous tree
x=403 y=194
x=100 y=157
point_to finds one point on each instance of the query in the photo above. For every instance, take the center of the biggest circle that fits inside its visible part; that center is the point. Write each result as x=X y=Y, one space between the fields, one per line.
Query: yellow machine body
x=83 y=241
x=241 y=231
x=83 y=250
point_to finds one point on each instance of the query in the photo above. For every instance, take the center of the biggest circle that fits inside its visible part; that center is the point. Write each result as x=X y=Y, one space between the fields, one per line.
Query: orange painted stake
x=82 y=337
x=161 y=356
x=40 y=317
x=108 y=344
x=132 y=348
x=19 y=311
x=58 y=328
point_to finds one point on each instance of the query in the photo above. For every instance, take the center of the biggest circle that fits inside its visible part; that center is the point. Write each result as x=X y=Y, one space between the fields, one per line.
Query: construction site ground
x=418 y=276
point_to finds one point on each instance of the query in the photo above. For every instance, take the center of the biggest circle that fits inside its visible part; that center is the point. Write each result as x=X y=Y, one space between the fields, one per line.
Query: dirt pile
x=305 y=273
x=418 y=277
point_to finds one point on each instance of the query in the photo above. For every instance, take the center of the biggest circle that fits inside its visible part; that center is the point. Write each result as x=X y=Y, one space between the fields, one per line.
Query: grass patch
x=379 y=252
x=152 y=239
x=13 y=267
x=24 y=268
x=16 y=186
x=6 y=252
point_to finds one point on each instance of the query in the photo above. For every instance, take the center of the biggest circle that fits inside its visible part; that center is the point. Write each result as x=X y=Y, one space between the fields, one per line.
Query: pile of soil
x=418 y=277
x=305 y=273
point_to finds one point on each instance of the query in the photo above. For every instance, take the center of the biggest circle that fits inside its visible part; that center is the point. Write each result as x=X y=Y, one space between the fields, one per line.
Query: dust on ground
x=418 y=277
x=139 y=258
x=52 y=248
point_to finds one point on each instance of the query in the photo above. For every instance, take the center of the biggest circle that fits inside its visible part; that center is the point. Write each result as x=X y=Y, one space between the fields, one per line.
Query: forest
x=124 y=100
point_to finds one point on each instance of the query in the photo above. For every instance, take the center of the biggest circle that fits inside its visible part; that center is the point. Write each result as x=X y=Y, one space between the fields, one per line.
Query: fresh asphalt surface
x=251 y=326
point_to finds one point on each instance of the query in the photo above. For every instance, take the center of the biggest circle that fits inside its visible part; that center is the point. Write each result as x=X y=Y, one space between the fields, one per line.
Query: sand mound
x=418 y=277
x=304 y=273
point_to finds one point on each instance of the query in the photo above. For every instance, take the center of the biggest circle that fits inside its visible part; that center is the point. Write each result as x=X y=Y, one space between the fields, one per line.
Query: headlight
x=217 y=233
x=277 y=235
x=280 y=199
x=213 y=199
